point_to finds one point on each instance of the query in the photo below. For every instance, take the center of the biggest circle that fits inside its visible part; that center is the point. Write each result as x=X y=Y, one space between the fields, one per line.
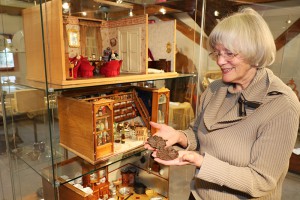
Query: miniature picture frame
x=73 y=38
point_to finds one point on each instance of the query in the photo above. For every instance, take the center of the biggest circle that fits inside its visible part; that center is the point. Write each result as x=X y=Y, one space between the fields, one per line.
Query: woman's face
x=234 y=68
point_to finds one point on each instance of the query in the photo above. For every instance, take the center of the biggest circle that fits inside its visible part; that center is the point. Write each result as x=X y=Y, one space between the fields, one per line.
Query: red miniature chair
x=111 y=68
x=82 y=67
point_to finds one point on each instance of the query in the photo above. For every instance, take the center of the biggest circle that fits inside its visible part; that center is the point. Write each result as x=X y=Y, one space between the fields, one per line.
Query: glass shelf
x=77 y=164
x=38 y=160
x=41 y=161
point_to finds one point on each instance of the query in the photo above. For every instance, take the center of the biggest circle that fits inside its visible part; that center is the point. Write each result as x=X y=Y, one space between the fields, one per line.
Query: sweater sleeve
x=191 y=132
x=269 y=158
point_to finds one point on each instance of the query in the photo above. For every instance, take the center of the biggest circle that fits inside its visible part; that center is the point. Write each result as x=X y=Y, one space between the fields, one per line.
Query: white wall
x=277 y=14
x=159 y=35
x=287 y=64
x=10 y=24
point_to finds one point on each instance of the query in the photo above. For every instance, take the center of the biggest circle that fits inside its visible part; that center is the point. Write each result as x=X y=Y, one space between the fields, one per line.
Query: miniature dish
x=156 y=198
x=116 y=182
x=124 y=190
x=150 y=192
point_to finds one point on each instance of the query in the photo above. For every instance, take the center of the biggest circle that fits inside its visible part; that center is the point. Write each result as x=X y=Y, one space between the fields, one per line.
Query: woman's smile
x=226 y=70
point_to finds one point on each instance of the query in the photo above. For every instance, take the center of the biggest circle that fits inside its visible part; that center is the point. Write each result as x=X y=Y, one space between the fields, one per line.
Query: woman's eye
x=229 y=54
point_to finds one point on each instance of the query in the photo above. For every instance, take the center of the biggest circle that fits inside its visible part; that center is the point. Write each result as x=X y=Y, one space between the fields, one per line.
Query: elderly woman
x=246 y=129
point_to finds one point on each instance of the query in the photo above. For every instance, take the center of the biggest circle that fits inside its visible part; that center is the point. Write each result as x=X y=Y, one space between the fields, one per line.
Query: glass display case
x=60 y=134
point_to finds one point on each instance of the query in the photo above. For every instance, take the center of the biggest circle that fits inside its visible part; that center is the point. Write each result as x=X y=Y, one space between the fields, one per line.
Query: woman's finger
x=155 y=125
x=188 y=157
x=176 y=161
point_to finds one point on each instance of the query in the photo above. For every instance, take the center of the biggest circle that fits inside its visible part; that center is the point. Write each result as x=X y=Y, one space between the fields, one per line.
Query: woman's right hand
x=169 y=134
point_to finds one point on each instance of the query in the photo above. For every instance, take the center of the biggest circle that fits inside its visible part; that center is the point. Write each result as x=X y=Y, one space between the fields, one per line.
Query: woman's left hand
x=184 y=158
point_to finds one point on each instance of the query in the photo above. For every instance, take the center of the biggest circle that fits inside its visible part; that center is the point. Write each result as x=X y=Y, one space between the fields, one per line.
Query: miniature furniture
x=160 y=64
x=86 y=127
x=141 y=133
x=111 y=68
x=180 y=115
x=86 y=123
x=157 y=103
x=82 y=67
x=57 y=54
x=128 y=176
x=97 y=181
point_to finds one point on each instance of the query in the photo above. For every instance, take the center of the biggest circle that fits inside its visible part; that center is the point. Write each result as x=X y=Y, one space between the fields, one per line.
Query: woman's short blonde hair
x=247 y=34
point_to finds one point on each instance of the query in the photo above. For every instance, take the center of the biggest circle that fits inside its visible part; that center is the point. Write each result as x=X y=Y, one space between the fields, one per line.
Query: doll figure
x=113 y=56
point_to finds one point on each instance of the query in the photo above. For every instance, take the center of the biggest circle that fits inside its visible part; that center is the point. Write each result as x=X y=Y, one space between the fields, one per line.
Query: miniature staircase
x=142 y=109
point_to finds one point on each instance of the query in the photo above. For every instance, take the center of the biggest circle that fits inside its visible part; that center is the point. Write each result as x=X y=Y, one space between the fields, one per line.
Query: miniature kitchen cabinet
x=86 y=127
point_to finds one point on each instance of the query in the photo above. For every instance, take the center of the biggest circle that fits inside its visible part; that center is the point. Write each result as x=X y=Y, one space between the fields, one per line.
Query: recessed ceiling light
x=216 y=13
x=130 y=13
x=163 y=11
x=65 y=6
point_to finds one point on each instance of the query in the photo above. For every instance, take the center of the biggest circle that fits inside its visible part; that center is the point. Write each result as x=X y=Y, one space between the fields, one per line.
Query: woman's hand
x=184 y=158
x=169 y=134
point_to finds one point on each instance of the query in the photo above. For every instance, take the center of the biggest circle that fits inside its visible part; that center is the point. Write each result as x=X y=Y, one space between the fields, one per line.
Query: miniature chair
x=111 y=68
x=180 y=115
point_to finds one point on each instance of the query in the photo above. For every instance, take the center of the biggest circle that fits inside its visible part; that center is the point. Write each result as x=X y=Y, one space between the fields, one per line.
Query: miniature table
x=180 y=115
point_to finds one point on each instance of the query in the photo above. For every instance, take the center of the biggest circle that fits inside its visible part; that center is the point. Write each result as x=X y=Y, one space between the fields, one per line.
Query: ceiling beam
x=289 y=34
x=11 y=10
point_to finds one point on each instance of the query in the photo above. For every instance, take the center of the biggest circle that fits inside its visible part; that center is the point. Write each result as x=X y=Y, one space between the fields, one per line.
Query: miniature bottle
x=107 y=137
x=103 y=138
x=106 y=124
x=123 y=136
x=99 y=142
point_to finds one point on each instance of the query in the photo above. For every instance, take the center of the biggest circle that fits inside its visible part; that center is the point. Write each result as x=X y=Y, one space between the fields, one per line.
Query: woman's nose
x=221 y=60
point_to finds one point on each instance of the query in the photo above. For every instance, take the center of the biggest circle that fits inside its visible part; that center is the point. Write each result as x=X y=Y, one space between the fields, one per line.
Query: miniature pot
x=139 y=188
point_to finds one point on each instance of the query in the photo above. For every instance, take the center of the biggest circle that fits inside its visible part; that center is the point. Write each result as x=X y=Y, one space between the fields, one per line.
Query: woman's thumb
x=188 y=157
x=155 y=125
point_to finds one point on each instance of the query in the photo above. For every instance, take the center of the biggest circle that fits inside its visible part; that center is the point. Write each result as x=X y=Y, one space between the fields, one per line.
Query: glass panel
x=29 y=105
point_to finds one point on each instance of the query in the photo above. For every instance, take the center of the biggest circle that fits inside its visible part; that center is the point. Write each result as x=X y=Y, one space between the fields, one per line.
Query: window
x=7 y=60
